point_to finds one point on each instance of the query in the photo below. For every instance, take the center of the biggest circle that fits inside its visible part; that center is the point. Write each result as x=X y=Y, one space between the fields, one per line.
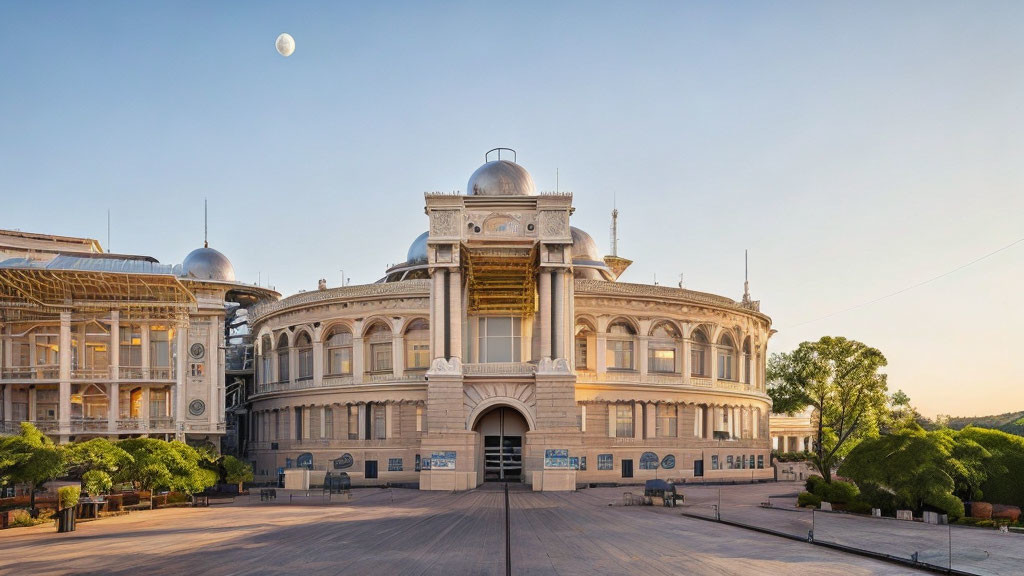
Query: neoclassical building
x=504 y=348
x=114 y=345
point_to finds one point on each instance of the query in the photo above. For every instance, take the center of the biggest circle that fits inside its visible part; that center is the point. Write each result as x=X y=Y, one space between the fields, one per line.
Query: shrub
x=21 y=518
x=96 y=482
x=812 y=482
x=945 y=503
x=1003 y=512
x=808 y=499
x=1004 y=469
x=67 y=496
x=838 y=492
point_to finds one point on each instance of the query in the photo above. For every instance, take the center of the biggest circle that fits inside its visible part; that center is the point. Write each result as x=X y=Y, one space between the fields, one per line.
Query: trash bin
x=66 y=520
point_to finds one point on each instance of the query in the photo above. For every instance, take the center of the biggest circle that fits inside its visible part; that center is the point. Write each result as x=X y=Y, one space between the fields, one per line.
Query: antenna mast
x=746 y=277
x=206 y=244
x=615 y=227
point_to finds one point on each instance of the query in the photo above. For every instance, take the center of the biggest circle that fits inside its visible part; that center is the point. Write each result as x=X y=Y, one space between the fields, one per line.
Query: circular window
x=197 y=350
x=196 y=407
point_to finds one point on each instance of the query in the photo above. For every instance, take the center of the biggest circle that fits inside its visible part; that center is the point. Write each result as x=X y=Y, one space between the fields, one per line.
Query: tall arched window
x=726 y=358
x=339 y=351
x=266 y=360
x=378 y=349
x=664 y=342
x=417 y=345
x=698 y=353
x=305 y=356
x=282 y=358
x=585 y=338
x=621 y=340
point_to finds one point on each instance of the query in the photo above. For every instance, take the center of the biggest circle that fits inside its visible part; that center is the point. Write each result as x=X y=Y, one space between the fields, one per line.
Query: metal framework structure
x=27 y=293
x=501 y=283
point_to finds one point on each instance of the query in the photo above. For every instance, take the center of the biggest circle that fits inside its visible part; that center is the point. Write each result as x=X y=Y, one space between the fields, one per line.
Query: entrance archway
x=502 y=431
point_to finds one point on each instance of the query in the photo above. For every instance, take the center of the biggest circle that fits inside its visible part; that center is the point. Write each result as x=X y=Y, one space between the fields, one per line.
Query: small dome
x=208 y=264
x=501 y=178
x=583 y=246
x=418 y=250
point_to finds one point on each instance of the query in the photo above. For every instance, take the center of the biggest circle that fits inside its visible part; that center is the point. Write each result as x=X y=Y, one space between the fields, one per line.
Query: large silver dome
x=501 y=178
x=587 y=261
x=418 y=250
x=208 y=264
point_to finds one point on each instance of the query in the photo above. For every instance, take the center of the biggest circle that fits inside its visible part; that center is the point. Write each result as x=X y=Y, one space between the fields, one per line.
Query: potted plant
x=67 y=501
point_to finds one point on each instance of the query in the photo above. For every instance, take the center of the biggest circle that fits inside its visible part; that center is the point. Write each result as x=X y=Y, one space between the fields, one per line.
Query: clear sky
x=855 y=148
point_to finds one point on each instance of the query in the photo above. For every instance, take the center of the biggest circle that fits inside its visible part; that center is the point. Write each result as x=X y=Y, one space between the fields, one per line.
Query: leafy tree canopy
x=30 y=457
x=842 y=381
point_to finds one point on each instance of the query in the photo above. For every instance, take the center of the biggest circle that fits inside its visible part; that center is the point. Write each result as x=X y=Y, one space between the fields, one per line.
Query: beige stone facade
x=505 y=349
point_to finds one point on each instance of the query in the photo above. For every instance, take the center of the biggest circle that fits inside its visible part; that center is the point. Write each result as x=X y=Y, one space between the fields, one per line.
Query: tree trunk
x=820 y=450
x=32 y=497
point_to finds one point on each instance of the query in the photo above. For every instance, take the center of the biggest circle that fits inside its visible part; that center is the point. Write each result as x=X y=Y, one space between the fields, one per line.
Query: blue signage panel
x=648 y=461
x=443 y=460
x=557 y=458
x=668 y=462
x=344 y=461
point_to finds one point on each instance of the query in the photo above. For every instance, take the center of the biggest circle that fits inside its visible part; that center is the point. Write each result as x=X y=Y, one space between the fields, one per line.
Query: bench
x=268 y=494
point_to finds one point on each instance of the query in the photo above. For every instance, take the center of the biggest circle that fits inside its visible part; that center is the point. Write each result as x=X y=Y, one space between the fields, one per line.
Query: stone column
x=64 y=409
x=144 y=328
x=437 y=318
x=114 y=358
x=544 y=282
x=455 y=313
x=389 y=413
x=709 y=422
x=638 y=420
x=602 y=353
x=652 y=420
x=362 y=421
x=713 y=351
x=358 y=355
x=558 y=329
x=687 y=361
x=318 y=358
x=179 y=382
x=144 y=412
x=398 y=351
x=643 y=343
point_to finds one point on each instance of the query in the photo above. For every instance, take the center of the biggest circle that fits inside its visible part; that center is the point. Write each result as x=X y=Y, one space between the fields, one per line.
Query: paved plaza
x=411 y=532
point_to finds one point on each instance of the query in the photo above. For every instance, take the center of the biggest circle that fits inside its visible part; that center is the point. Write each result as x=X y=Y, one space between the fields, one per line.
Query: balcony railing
x=331 y=381
x=499 y=369
x=129 y=424
x=90 y=373
x=89 y=425
x=631 y=377
x=49 y=372
x=46 y=425
x=161 y=423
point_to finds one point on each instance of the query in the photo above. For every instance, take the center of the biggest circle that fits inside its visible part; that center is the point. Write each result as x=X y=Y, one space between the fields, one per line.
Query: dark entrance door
x=502 y=430
x=371 y=469
x=698 y=467
x=627 y=468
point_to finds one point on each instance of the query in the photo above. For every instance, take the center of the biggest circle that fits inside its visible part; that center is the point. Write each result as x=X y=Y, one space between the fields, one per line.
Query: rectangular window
x=353 y=422
x=751 y=461
x=620 y=354
x=729 y=462
x=666 y=421
x=282 y=366
x=419 y=355
x=714 y=461
x=500 y=339
x=327 y=423
x=339 y=353
x=662 y=360
x=160 y=349
x=605 y=462
x=131 y=346
x=298 y=423
x=380 y=357
x=581 y=353
x=760 y=461
x=697 y=362
x=305 y=363
x=725 y=366
x=623 y=420
x=379 y=422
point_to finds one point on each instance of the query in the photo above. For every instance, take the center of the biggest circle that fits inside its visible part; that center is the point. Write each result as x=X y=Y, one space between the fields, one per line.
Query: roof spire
x=746 y=278
x=206 y=244
x=615 y=227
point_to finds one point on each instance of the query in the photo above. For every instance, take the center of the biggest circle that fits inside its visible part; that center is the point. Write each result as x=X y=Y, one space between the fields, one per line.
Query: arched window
x=746 y=360
x=305 y=356
x=282 y=358
x=663 y=345
x=417 y=345
x=378 y=339
x=339 y=351
x=726 y=358
x=699 y=353
x=621 y=337
x=266 y=360
x=585 y=338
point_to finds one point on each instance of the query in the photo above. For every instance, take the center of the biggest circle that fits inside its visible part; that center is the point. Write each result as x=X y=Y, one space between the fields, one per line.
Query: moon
x=285 y=45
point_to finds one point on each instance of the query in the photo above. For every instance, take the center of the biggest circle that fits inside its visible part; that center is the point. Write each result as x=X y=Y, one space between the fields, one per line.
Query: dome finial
x=206 y=227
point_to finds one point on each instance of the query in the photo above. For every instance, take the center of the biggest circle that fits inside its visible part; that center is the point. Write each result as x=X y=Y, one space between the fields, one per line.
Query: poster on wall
x=605 y=462
x=649 y=461
x=343 y=462
x=417 y=462
x=574 y=463
x=442 y=460
x=668 y=462
x=583 y=462
x=556 y=458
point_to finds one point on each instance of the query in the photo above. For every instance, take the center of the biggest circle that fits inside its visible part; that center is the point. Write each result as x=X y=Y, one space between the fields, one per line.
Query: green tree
x=841 y=380
x=237 y=471
x=156 y=464
x=30 y=457
x=96 y=482
x=97 y=454
x=1005 y=470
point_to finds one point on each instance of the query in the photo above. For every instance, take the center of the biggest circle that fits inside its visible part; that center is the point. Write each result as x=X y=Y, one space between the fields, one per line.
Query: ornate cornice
x=585 y=287
x=341 y=294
